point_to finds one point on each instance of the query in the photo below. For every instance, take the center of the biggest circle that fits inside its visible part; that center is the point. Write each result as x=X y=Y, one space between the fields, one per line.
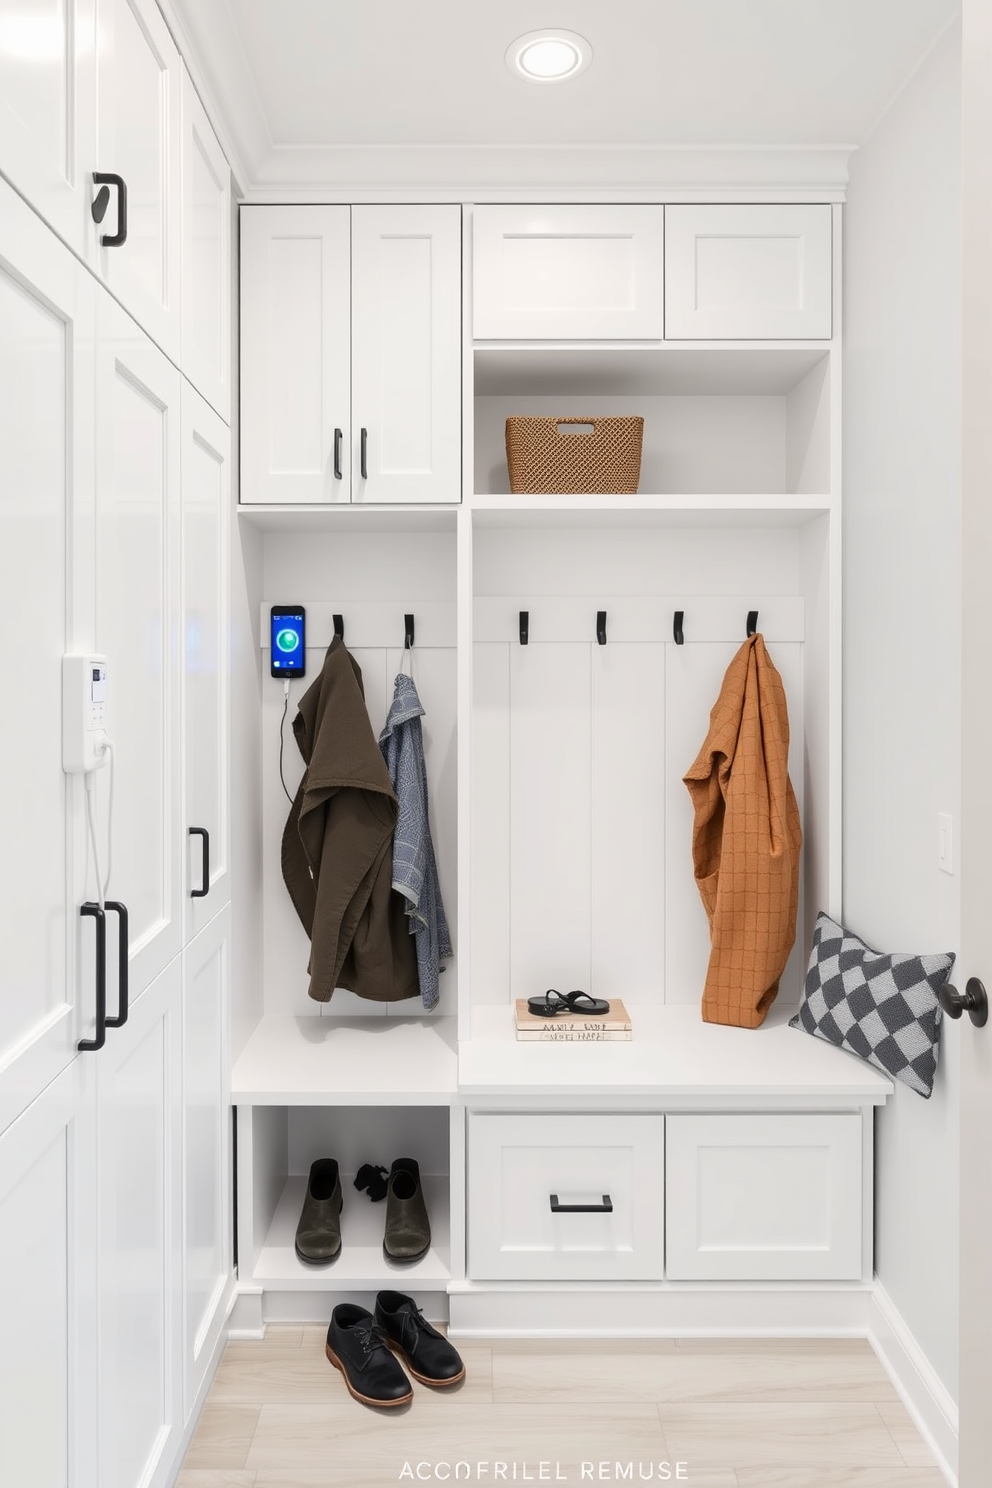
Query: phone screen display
x=287 y=640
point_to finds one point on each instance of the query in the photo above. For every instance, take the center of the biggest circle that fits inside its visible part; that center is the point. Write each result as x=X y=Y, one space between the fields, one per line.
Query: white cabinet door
x=565 y=1197
x=206 y=486
x=206 y=1147
x=139 y=90
x=47 y=93
x=748 y=272
x=47 y=307
x=139 y=1132
x=295 y=354
x=137 y=628
x=206 y=260
x=406 y=353
x=48 y=1287
x=756 y=1198
x=568 y=272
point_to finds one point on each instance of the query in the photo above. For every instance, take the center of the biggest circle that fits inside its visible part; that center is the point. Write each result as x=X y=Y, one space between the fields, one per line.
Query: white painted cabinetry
x=350 y=354
x=205 y=303
x=752 y=272
x=568 y=272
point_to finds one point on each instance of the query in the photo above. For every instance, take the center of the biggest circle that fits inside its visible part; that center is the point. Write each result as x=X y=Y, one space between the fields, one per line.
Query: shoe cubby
x=276 y=1146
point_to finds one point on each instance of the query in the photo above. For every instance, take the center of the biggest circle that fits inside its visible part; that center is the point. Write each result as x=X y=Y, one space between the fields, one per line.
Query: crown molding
x=551 y=174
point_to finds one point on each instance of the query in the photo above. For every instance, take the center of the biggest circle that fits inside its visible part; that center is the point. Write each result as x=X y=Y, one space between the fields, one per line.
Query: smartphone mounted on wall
x=287 y=641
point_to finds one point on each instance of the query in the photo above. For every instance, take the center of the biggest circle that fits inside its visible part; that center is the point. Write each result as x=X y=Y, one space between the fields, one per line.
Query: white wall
x=901 y=667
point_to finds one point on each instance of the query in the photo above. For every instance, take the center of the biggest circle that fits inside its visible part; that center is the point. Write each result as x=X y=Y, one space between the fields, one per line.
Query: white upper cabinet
x=406 y=353
x=747 y=272
x=350 y=354
x=206 y=257
x=139 y=93
x=568 y=273
x=295 y=354
x=47 y=95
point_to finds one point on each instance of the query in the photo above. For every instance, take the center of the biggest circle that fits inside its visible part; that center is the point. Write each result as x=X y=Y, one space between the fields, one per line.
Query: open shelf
x=308 y=1061
x=349 y=516
x=646 y=510
x=361 y=1264
x=673 y=1056
x=579 y=370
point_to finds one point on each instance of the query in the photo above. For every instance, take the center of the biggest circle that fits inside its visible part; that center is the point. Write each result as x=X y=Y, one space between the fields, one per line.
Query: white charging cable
x=102 y=884
x=282 y=722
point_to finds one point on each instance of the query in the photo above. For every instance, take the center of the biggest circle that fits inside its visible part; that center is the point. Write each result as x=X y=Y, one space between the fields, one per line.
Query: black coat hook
x=408 y=639
x=752 y=622
x=524 y=627
x=601 y=627
x=677 y=627
x=339 y=626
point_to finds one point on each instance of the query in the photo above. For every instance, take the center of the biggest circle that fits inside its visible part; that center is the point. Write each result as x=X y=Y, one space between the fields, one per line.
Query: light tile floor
x=736 y=1413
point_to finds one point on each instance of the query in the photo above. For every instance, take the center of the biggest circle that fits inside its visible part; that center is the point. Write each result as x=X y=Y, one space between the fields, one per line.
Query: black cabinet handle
x=973 y=1001
x=338 y=436
x=204 y=890
x=106 y=179
x=365 y=454
x=101 y=977
x=606 y=1207
x=120 y=910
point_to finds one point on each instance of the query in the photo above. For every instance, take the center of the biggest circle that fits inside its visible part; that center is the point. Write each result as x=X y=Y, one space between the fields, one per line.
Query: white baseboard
x=924 y=1396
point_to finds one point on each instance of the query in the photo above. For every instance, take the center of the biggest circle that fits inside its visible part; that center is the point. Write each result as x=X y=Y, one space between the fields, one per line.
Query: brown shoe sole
x=425 y=1379
x=365 y=1399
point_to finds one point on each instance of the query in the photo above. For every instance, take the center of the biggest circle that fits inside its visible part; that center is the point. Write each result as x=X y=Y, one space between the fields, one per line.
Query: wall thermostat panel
x=84 y=713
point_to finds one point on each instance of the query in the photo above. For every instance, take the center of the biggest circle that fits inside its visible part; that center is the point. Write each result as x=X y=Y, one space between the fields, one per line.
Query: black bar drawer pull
x=101 y=977
x=120 y=910
x=606 y=1207
x=106 y=179
x=204 y=889
x=365 y=454
x=338 y=436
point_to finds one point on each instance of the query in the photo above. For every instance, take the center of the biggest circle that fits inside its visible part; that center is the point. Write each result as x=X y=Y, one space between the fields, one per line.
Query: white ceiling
x=307 y=86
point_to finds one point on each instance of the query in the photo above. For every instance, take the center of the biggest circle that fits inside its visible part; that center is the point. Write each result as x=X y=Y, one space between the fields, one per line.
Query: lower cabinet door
x=565 y=1197
x=140 y=1239
x=764 y=1198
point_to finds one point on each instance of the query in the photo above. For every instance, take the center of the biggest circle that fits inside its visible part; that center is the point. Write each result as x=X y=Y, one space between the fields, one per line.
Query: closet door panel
x=627 y=863
x=550 y=818
x=406 y=367
x=138 y=474
x=206 y=706
x=491 y=937
x=206 y=264
x=46 y=109
x=48 y=1287
x=206 y=1147
x=140 y=1237
x=295 y=353
x=46 y=376
x=139 y=114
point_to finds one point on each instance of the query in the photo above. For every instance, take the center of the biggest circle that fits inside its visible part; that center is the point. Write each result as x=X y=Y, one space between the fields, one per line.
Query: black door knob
x=973 y=1001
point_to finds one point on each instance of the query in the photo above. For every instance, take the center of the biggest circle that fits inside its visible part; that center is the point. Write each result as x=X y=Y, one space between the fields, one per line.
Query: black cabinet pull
x=338 y=436
x=120 y=910
x=365 y=454
x=101 y=977
x=606 y=1207
x=106 y=179
x=204 y=890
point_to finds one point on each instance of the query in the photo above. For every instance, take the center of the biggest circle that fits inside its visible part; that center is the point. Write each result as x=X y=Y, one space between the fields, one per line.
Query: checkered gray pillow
x=884 y=1008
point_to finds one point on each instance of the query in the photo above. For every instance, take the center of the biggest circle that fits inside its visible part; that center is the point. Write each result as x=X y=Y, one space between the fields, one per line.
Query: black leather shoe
x=318 y=1234
x=429 y=1356
x=357 y=1347
x=407 y=1234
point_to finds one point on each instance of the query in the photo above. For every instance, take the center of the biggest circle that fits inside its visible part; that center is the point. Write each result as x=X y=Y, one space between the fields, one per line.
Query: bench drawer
x=565 y=1197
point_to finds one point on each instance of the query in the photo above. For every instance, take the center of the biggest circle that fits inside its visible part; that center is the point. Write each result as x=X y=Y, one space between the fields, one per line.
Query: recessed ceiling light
x=548 y=56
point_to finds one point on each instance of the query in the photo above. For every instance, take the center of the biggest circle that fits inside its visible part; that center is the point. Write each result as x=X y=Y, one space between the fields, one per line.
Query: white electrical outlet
x=945 y=841
x=84 y=713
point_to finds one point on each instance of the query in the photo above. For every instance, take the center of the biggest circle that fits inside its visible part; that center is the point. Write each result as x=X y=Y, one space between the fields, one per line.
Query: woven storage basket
x=543 y=460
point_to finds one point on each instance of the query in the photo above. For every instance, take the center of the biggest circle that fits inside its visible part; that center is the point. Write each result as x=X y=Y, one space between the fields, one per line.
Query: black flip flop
x=577 y=1003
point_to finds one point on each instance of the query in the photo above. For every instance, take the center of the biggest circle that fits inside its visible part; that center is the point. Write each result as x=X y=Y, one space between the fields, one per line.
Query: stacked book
x=569 y=1028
